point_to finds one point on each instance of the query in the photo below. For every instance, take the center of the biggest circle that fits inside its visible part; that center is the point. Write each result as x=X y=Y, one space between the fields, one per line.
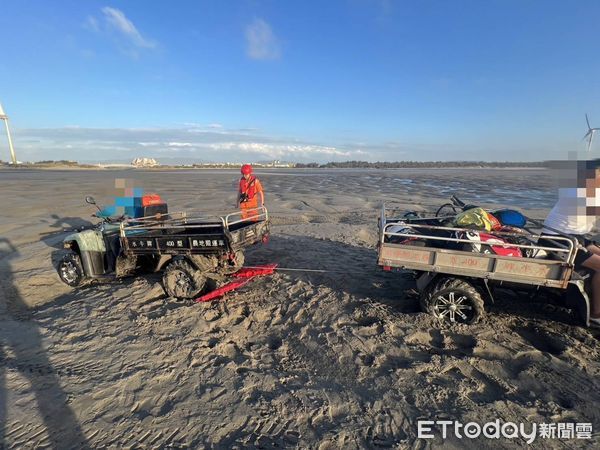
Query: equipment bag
x=511 y=218
x=477 y=219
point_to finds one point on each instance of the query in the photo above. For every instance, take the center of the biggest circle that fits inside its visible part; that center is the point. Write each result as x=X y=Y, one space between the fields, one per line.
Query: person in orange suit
x=250 y=193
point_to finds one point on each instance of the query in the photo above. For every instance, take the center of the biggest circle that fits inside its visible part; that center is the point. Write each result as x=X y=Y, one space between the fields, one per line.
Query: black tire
x=232 y=266
x=182 y=280
x=70 y=269
x=454 y=300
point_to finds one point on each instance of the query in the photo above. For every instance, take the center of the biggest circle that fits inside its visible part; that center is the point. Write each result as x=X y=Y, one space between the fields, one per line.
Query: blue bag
x=511 y=218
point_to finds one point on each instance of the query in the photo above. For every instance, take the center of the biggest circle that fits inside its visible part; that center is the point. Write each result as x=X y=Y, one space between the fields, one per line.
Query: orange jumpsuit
x=251 y=188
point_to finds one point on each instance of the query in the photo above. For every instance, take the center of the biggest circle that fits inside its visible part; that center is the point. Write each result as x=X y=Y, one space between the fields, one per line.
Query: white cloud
x=217 y=128
x=226 y=145
x=117 y=20
x=114 y=25
x=281 y=150
x=261 y=42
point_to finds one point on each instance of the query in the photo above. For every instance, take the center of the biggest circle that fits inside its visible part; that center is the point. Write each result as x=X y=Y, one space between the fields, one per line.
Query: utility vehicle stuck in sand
x=457 y=268
x=188 y=250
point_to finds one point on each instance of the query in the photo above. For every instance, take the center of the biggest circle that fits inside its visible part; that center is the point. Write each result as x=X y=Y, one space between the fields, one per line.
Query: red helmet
x=246 y=169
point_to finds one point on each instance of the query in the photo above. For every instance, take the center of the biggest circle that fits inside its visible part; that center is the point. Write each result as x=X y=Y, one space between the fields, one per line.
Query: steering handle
x=457 y=202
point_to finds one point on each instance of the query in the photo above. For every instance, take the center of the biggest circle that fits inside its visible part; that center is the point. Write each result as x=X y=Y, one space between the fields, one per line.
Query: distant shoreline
x=175 y=169
x=352 y=165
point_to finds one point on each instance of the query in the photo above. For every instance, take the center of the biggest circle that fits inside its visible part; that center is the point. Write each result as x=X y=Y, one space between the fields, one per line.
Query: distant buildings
x=144 y=162
x=279 y=164
x=205 y=164
x=275 y=163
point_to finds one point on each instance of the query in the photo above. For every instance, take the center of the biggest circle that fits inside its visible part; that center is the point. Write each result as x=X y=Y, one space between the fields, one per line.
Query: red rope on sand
x=243 y=276
x=255 y=271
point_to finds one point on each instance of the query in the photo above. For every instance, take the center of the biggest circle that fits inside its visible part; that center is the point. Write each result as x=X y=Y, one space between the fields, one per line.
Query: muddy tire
x=232 y=266
x=182 y=280
x=453 y=300
x=70 y=269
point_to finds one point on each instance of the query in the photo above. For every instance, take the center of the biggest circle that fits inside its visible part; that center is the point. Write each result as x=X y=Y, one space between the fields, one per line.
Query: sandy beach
x=339 y=359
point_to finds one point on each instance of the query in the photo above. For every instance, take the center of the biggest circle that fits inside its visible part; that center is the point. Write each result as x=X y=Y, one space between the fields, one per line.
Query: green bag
x=475 y=218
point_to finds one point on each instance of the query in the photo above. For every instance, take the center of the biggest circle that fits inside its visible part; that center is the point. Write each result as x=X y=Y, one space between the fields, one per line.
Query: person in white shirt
x=575 y=214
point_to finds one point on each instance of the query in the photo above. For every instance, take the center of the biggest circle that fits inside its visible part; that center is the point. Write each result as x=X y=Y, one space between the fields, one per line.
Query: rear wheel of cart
x=453 y=300
x=182 y=280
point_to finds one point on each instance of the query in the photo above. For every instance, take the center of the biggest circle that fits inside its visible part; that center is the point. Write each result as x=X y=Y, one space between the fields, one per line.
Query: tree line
x=417 y=164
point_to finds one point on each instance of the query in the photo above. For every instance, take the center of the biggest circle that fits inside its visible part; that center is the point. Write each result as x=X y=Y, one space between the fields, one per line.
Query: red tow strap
x=255 y=271
x=243 y=276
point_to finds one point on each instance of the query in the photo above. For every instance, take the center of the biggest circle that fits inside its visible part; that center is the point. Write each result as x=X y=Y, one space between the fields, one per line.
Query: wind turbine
x=590 y=132
x=4 y=117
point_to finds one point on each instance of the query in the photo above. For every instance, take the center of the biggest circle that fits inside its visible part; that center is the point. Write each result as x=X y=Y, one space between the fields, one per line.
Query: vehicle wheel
x=70 y=269
x=454 y=300
x=181 y=280
x=232 y=266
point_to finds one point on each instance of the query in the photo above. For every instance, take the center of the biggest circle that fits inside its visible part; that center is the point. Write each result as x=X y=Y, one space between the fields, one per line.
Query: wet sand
x=342 y=359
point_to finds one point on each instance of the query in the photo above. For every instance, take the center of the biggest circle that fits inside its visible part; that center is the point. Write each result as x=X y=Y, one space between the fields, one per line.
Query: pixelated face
x=247 y=176
x=592 y=192
x=579 y=184
x=592 y=180
x=127 y=187
x=125 y=190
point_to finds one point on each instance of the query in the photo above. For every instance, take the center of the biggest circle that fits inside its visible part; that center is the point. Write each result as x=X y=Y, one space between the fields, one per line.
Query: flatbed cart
x=188 y=249
x=192 y=249
x=453 y=283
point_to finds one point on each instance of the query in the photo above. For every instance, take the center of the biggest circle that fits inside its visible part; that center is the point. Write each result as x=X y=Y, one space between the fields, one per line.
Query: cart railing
x=155 y=218
x=251 y=215
x=434 y=258
x=570 y=248
x=181 y=220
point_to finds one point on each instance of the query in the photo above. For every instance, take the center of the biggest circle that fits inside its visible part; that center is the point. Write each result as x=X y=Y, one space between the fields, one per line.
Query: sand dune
x=342 y=359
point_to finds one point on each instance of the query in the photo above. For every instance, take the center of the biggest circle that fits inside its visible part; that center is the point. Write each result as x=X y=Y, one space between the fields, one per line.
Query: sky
x=299 y=80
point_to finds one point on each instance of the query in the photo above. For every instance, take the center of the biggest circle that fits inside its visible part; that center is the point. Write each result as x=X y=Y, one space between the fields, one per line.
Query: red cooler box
x=150 y=205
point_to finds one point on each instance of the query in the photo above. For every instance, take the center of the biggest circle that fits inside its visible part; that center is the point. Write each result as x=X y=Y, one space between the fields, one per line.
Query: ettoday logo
x=509 y=430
